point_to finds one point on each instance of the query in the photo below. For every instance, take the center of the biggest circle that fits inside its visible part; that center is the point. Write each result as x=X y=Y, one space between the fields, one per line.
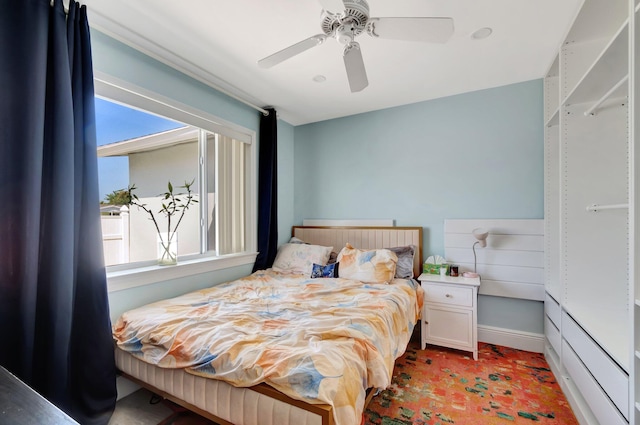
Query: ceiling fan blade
x=433 y=30
x=291 y=51
x=354 y=64
x=332 y=5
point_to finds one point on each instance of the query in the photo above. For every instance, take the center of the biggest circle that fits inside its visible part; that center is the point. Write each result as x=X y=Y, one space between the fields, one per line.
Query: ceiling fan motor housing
x=348 y=24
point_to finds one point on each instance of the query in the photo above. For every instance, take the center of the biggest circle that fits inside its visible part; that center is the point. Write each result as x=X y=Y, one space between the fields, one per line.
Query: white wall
x=151 y=171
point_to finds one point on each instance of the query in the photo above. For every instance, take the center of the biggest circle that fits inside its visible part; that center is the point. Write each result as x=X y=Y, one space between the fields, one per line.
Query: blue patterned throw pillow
x=330 y=270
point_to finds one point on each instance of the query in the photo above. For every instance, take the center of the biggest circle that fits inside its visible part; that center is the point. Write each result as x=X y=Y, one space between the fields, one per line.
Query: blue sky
x=115 y=123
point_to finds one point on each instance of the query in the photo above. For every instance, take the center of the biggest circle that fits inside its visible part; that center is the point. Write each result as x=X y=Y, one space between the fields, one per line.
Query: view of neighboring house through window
x=136 y=148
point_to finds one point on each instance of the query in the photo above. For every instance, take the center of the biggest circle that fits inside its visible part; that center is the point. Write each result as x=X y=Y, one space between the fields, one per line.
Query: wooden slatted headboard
x=363 y=238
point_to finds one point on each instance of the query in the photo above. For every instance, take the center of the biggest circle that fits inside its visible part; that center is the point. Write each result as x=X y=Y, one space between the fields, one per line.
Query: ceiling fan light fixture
x=482 y=33
x=345 y=20
x=345 y=34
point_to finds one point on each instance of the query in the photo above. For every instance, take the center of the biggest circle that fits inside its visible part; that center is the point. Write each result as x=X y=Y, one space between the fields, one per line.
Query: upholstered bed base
x=222 y=402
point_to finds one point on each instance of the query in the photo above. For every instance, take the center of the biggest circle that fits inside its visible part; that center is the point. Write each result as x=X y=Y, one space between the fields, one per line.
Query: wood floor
x=137 y=409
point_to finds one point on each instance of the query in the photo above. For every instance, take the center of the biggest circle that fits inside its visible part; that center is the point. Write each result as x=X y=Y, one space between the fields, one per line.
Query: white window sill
x=130 y=278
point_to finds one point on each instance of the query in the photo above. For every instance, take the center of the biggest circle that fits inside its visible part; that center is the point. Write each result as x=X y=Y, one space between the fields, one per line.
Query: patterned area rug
x=438 y=386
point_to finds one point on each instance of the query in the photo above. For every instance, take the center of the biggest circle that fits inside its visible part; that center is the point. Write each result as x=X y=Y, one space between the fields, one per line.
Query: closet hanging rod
x=596 y=208
x=592 y=110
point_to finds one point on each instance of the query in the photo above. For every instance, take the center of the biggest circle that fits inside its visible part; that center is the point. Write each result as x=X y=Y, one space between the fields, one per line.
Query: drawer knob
x=449 y=296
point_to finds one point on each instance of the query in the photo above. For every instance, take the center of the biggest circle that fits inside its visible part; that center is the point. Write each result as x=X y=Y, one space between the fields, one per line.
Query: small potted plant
x=174 y=205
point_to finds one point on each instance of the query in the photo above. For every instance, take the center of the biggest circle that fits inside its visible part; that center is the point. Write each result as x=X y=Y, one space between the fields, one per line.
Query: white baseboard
x=520 y=340
x=125 y=387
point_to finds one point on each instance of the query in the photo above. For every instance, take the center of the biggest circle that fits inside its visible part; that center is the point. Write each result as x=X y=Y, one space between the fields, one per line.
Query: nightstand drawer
x=446 y=294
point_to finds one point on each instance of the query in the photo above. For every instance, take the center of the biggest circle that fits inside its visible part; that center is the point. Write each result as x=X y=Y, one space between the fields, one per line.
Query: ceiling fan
x=354 y=19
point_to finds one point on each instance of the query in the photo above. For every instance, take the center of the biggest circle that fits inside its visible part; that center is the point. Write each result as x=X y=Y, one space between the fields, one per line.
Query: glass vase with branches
x=174 y=206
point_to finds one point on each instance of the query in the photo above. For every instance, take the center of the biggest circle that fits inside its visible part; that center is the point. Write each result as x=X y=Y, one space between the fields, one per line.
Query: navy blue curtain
x=54 y=313
x=267 y=192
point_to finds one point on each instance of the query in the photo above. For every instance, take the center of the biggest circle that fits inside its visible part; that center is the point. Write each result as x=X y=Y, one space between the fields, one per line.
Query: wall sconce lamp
x=481 y=235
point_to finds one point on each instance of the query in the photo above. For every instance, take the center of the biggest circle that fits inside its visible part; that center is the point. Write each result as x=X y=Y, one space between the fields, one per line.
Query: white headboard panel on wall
x=512 y=264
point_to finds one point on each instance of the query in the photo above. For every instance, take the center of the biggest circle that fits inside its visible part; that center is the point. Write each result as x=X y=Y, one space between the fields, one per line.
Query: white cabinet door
x=449 y=327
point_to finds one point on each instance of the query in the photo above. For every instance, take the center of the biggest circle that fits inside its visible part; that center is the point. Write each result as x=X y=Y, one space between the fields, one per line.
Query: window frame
x=125 y=276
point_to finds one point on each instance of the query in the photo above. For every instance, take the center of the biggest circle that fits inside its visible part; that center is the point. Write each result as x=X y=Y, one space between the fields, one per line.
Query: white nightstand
x=450 y=312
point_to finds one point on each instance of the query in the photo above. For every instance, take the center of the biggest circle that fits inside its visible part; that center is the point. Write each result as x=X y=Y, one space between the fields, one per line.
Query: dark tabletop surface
x=19 y=404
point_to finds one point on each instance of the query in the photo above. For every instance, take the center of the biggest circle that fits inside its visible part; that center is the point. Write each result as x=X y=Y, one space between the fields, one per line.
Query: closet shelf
x=554 y=69
x=596 y=207
x=614 y=89
x=597 y=19
x=609 y=68
x=613 y=340
x=555 y=118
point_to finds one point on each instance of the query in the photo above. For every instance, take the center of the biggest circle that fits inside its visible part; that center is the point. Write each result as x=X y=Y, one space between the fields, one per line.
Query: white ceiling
x=220 y=41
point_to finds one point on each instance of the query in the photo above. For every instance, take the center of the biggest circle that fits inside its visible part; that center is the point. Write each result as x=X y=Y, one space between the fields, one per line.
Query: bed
x=281 y=347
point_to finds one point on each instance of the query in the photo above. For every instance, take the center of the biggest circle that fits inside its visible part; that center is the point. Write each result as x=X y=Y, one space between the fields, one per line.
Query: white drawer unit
x=552 y=314
x=609 y=376
x=553 y=335
x=552 y=310
x=594 y=397
x=450 y=312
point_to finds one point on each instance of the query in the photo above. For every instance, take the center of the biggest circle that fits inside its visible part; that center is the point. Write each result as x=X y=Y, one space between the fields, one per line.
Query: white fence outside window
x=115 y=237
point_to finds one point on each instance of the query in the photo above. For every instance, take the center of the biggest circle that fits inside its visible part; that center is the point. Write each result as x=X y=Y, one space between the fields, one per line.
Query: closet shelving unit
x=634 y=208
x=552 y=213
x=591 y=310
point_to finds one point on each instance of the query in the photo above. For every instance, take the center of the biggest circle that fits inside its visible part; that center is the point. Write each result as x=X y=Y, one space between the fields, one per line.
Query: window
x=149 y=142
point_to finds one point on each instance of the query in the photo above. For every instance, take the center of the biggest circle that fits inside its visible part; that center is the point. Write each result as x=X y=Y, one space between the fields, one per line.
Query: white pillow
x=299 y=258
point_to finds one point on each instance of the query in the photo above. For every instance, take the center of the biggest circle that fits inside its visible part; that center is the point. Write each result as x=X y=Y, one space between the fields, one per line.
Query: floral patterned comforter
x=323 y=341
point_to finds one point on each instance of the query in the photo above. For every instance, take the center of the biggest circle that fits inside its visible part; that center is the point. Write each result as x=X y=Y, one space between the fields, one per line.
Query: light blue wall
x=121 y=61
x=474 y=155
x=125 y=63
x=285 y=181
